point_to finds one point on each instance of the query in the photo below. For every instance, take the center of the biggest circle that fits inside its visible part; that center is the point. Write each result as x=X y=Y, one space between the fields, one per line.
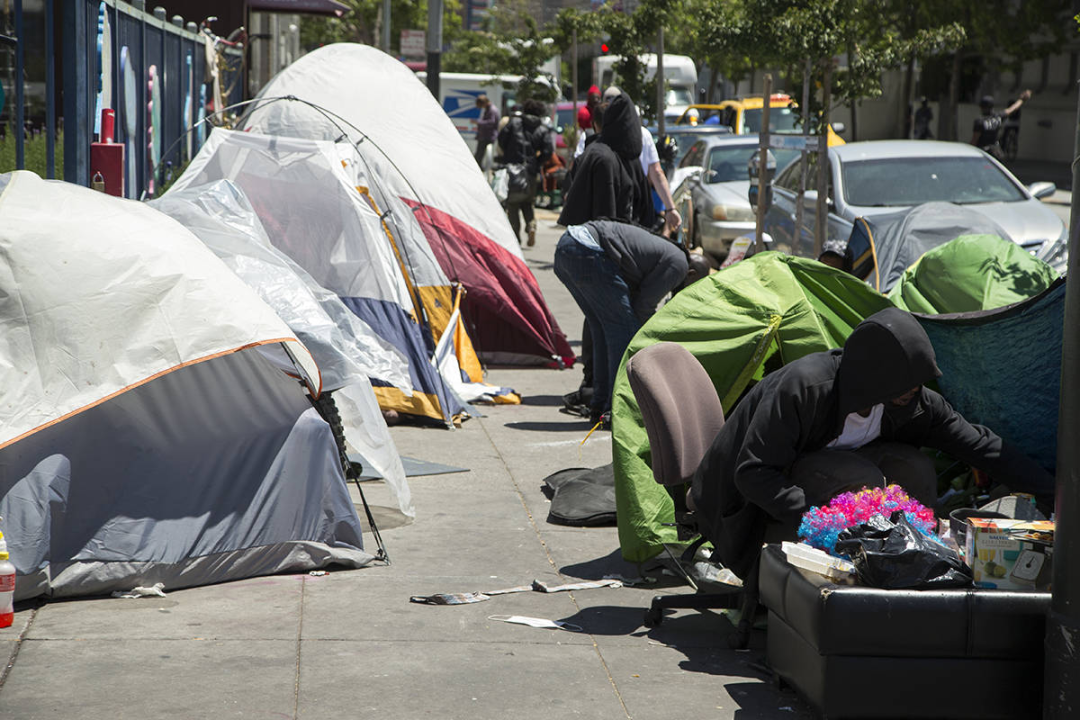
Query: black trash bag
x=894 y=555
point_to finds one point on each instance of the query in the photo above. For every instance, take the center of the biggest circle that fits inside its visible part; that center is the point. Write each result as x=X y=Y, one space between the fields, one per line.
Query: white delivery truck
x=458 y=93
x=679 y=72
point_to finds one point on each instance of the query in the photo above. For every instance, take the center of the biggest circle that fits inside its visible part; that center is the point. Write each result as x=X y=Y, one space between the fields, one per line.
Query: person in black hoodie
x=617 y=273
x=835 y=421
x=607 y=180
x=526 y=145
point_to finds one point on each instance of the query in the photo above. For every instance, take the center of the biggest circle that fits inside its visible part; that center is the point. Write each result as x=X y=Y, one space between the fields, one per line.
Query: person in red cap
x=584 y=113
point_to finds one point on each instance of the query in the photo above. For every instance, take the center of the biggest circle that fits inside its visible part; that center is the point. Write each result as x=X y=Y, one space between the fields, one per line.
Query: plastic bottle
x=7 y=586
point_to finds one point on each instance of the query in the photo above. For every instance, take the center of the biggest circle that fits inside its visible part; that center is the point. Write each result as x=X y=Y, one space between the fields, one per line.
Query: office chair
x=682 y=415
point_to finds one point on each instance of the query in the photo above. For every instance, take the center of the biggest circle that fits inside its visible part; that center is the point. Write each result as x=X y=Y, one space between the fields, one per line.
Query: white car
x=712 y=190
x=876 y=177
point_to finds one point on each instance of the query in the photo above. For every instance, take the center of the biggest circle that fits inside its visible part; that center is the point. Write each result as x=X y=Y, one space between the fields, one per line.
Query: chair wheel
x=653 y=617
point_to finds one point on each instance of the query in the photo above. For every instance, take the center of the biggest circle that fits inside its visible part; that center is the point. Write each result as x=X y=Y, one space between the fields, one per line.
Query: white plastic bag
x=500 y=183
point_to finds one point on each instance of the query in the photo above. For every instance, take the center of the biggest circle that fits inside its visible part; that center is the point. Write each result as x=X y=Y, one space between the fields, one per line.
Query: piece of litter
x=788 y=708
x=317 y=573
x=544 y=587
x=536 y=622
x=449 y=598
x=155 y=590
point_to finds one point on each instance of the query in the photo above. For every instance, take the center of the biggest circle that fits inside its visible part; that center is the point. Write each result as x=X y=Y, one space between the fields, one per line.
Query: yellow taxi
x=743 y=116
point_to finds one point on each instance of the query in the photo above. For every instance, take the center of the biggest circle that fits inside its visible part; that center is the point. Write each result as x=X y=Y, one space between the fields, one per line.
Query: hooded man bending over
x=836 y=421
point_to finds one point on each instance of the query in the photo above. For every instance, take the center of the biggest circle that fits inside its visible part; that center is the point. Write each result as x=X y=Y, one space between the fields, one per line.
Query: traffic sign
x=794 y=142
x=413 y=44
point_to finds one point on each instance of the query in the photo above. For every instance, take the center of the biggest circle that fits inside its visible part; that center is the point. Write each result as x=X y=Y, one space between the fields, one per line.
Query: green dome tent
x=772 y=309
x=767 y=310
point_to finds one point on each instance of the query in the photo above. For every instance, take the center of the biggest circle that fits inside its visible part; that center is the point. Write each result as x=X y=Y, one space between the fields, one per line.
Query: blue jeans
x=599 y=289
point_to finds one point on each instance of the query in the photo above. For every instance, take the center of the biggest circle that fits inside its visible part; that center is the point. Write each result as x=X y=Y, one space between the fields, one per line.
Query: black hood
x=885 y=356
x=622 y=128
x=531 y=122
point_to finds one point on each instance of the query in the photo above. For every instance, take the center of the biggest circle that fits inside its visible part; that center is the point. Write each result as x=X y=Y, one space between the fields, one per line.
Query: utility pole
x=660 y=104
x=574 y=79
x=797 y=237
x=763 y=167
x=434 y=46
x=1061 y=682
x=821 y=221
x=386 y=26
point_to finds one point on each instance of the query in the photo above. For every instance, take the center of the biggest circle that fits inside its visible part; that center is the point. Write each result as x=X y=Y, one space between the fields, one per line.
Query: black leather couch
x=856 y=652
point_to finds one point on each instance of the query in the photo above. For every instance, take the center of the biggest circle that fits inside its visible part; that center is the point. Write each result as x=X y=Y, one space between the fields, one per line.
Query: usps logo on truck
x=460 y=105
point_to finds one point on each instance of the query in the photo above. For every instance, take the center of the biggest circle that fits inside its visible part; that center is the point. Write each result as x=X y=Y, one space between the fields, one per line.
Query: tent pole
x=1061 y=688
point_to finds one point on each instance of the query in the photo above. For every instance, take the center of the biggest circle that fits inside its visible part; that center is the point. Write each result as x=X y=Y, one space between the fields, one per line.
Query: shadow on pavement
x=579 y=426
x=544 y=400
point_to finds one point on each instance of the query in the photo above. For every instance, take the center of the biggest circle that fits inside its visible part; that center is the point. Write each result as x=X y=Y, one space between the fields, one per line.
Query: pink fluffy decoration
x=821 y=525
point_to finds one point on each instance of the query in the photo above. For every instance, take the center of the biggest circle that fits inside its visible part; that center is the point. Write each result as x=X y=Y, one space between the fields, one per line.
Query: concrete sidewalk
x=350 y=644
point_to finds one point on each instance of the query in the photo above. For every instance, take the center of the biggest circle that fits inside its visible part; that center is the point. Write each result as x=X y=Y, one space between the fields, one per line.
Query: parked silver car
x=875 y=177
x=712 y=185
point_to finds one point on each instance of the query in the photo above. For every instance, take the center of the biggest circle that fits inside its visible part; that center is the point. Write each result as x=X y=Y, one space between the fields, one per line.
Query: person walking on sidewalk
x=617 y=273
x=486 y=127
x=526 y=144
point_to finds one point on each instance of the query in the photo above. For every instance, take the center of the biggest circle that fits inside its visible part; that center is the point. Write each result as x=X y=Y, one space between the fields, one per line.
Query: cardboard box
x=1007 y=554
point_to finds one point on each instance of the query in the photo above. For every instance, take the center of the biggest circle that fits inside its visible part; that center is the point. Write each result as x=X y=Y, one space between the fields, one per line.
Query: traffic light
x=604 y=48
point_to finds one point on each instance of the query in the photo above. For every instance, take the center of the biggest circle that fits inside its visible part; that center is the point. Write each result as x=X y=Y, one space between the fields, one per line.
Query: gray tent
x=882 y=247
x=155 y=414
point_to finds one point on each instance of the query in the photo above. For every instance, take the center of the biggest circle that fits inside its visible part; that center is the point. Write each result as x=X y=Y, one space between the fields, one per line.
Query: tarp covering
x=1002 y=368
x=313 y=212
x=882 y=247
x=412 y=152
x=771 y=309
x=767 y=310
x=74 y=333
x=151 y=433
x=346 y=349
x=972 y=272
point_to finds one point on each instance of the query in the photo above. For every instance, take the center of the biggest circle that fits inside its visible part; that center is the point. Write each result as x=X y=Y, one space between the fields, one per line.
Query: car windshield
x=678 y=96
x=905 y=181
x=731 y=164
x=565 y=117
x=781 y=119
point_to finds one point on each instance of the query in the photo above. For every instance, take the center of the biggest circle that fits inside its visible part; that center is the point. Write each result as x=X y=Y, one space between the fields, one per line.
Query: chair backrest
x=680 y=408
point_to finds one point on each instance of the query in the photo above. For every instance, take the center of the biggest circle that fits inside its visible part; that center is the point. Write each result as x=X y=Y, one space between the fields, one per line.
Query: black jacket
x=651 y=265
x=525 y=140
x=607 y=180
x=742 y=480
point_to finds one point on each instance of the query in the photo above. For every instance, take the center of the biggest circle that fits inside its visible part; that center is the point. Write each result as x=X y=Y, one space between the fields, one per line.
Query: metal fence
x=116 y=55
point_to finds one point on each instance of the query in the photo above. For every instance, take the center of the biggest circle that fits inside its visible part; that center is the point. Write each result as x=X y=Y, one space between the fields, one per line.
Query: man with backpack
x=526 y=145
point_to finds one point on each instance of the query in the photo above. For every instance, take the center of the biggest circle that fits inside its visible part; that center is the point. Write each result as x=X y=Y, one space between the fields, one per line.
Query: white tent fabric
x=344 y=346
x=312 y=211
x=432 y=154
x=149 y=433
x=74 y=332
x=347 y=350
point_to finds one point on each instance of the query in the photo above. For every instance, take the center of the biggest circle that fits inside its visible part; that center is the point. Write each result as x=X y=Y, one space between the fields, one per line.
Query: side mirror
x=838 y=128
x=809 y=199
x=1040 y=190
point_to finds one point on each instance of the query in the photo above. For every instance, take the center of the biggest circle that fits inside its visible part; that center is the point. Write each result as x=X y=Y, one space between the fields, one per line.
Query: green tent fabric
x=773 y=308
x=767 y=310
x=971 y=273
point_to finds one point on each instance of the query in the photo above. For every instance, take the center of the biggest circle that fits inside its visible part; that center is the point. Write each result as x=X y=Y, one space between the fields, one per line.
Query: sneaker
x=531 y=229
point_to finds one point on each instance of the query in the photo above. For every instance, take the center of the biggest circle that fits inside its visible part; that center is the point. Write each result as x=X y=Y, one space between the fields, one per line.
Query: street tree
x=363 y=22
x=1000 y=36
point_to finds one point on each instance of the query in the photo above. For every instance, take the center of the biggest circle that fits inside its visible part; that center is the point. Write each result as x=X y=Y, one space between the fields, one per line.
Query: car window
x=729 y=164
x=694 y=155
x=790 y=171
x=905 y=181
x=781 y=119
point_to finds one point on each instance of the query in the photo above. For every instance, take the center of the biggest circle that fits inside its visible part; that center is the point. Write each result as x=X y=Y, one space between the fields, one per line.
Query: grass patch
x=35 y=149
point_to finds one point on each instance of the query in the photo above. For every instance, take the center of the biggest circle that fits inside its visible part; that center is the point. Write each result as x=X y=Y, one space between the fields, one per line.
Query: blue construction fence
x=149 y=69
